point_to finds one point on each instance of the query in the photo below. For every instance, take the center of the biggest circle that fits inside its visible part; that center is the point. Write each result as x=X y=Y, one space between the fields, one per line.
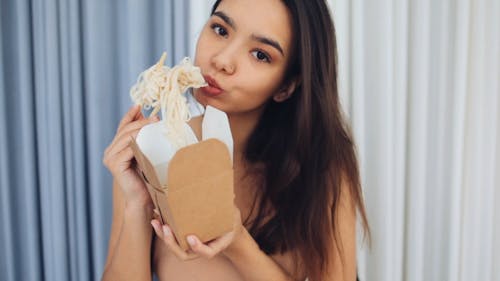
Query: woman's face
x=243 y=51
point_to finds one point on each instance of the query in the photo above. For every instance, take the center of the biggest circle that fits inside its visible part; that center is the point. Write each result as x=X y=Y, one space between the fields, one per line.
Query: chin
x=204 y=101
x=200 y=98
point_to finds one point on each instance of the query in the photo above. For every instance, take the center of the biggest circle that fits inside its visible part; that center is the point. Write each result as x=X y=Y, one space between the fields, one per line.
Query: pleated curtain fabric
x=66 y=67
x=420 y=82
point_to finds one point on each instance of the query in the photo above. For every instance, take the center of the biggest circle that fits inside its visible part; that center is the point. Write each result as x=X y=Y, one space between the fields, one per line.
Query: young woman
x=271 y=66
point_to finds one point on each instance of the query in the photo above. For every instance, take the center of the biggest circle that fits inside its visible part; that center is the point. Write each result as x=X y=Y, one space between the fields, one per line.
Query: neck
x=242 y=125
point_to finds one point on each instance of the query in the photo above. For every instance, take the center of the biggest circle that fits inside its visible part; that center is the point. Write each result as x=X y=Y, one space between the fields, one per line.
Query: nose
x=225 y=60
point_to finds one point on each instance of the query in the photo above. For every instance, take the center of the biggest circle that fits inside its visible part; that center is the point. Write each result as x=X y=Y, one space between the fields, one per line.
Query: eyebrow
x=264 y=40
x=269 y=42
x=226 y=19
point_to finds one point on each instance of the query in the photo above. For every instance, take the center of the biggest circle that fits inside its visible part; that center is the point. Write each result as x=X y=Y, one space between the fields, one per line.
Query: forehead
x=268 y=18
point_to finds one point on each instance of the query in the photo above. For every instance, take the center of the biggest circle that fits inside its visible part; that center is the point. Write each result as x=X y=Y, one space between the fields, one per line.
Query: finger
x=211 y=249
x=199 y=248
x=139 y=115
x=121 y=143
x=223 y=241
x=156 y=214
x=124 y=159
x=127 y=129
x=131 y=130
x=137 y=124
x=166 y=235
x=119 y=162
x=130 y=116
x=112 y=155
x=169 y=239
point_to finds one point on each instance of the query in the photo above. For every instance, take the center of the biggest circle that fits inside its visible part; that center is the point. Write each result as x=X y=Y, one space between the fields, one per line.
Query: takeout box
x=196 y=195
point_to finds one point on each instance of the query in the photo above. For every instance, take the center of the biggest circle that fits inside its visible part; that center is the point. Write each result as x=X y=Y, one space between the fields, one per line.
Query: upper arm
x=117 y=221
x=343 y=251
x=286 y=262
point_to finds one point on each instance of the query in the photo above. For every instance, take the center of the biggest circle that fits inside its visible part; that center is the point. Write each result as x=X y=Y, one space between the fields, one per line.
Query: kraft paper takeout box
x=198 y=197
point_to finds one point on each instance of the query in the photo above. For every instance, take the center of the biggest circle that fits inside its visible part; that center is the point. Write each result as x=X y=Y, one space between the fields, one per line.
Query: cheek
x=201 y=53
x=265 y=83
x=198 y=55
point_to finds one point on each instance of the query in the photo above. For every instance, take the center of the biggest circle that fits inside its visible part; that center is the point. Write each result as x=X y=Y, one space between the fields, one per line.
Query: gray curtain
x=66 y=67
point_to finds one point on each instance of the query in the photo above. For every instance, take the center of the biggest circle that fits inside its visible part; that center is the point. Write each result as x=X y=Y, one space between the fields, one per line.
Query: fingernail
x=155 y=226
x=166 y=231
x=191 y=240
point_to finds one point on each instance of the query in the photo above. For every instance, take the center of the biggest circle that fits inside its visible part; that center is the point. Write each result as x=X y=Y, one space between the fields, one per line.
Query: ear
x=286 y=91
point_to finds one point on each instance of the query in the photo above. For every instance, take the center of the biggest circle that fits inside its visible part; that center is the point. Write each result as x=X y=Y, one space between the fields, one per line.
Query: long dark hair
x=305 y=149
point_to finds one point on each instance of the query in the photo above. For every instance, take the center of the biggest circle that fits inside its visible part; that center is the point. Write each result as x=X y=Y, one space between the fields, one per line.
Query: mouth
x=213 y=89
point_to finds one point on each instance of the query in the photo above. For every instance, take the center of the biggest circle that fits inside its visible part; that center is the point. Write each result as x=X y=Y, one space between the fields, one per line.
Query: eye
x=219 y=30
x=261 y=56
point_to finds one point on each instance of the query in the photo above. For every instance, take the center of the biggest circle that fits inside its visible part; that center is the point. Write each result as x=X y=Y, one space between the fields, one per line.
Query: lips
x=213 y=89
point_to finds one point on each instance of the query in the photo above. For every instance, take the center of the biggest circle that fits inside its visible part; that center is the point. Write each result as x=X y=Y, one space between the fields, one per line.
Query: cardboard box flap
x=156 y=146
x=215 y=125
x=161 y=204
x=195 y=162
x=145 y=166
x=200 y=191
x=204 y=208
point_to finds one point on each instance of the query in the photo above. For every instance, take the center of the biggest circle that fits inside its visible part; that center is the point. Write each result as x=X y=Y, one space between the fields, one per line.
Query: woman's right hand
x=118 y=157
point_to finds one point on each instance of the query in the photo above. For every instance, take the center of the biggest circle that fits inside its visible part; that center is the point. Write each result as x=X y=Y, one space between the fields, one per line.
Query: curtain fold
x=420 y=82
x=65 y=73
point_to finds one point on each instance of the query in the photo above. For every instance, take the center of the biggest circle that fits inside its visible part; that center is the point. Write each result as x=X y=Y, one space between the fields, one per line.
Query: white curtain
x=420 y=82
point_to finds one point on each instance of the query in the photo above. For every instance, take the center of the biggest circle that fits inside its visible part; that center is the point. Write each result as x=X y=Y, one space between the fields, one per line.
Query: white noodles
x=160 y=88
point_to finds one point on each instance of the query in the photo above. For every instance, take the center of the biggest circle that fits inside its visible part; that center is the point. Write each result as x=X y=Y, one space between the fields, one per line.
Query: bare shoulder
x=342 y=265
x=343 y=250
x=287 y=263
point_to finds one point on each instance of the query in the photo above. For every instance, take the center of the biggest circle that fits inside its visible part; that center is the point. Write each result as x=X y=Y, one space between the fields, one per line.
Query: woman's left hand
x=198 y=248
